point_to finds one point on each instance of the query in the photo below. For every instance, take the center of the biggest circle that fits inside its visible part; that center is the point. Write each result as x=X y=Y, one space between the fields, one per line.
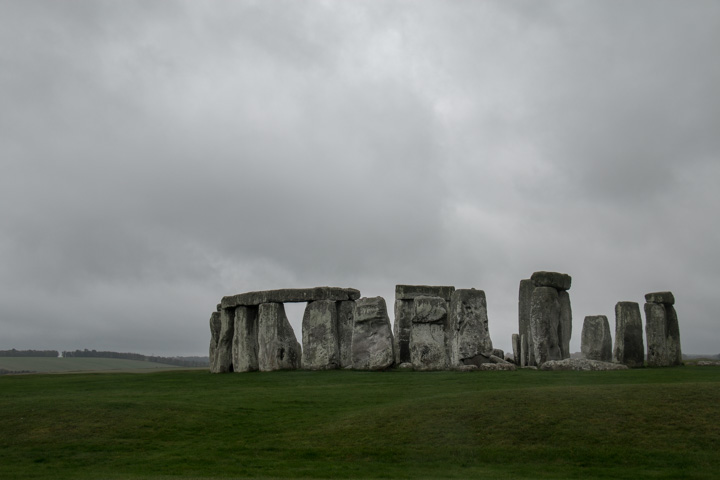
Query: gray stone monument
x=596 y=343
x=467 y=326
x=245 y=341
x=427 y=334
x=629 y=345
x=372 y=339
x=320 y=336
x=662 y=330
x=278 y=349
x=214 y=338
x=550 y=317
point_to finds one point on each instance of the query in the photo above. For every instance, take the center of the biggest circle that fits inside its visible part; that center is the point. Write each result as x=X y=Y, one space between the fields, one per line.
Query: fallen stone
x=596 y=343
x=497 y=352
x=345 y=312
x=524 y=302
x=544 y=324
x=291 y=295
x=558 y=281
x=214 y=337
x=401 y=329
x=510 y=358
x=581 y=364
x=372 y=342
x=409 y=292
x=467 y=331
x=565 y=331
x=666 y=298
x=405 y=366
x=427 y=335
x=320 y=336
x=629 y=345
x=530 y=367
x=245 y=341
x=223 y=353
x=496 y=359
x=498 y=366
x=278 y=348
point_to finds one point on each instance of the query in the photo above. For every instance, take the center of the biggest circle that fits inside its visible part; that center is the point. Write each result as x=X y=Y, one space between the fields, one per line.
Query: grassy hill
x=60 y=365
x=648 y=423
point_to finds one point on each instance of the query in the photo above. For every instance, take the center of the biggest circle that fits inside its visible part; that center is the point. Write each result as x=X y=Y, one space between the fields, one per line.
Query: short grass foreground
x=648 y=423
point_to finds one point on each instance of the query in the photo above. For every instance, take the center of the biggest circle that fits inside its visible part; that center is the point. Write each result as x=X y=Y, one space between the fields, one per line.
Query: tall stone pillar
x=345 y=316
x=468 y=333
x=245 y=342
x=427 y=336
x=629 y=345
x=320 y=336
x=550 y=316
x=372 y=340
x=662 y=330
x=596 y=343
x=214 y=338
x=516 y=348
x=524 y=301
x=278 y=349
x=223 y=353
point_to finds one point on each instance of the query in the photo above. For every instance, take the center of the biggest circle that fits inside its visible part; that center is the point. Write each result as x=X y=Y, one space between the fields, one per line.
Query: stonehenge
x=596 y=343
x=662 y=330
x=629 y=346
x=435 y=328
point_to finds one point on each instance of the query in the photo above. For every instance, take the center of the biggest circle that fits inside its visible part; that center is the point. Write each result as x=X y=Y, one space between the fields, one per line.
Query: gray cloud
x=159 y=155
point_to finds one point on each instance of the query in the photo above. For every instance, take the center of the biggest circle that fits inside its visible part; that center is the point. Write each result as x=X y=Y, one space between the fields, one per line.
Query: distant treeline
x=178 y=361
x=29 y=353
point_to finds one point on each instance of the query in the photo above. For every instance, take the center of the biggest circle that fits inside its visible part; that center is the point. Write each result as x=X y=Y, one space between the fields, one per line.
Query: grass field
x=648 y=423
x=60 y=365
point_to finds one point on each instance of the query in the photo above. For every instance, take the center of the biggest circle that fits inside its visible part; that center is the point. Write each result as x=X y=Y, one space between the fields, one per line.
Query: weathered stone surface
x=666 y=298
x=629 y=345
x=319 y=336
x=524 y=301
x=497 y=352
x=430 y=310
x=409 y=292
x=278 y=348
x=245 y=341
x=372 y=341
x=655 y=330
x=596 y=343
x=509 y=357
x=581 y=364
x=291 y=295
x=214 y=337
x=516 y=348
x=498 y=366
x=403 y=324
x=427 y=335
x=405 y=366
x=479 y=359
x=565 y=331
x=544 y=324
x=673 y=336
x=468 y=333
x=558 y=281
x=223 y=353
x=346 y=312
x=523 y=350
x=496 y=359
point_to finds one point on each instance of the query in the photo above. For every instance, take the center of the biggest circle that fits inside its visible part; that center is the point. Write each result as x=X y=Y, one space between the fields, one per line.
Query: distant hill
x=17 y=365
x=177 y=361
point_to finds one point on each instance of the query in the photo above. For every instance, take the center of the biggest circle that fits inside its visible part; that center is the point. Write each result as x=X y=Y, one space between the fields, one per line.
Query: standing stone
x=468 y=333
x=629 y=346
x=345 y=315
x=516 y=348
x=223 y=353
x=320 y=336
x=596 y=343
x=403 y=324
x=214 y=338
x=427 y=335
x=245 y=341
x=524 y=301
x=565 y=331
x=372 y=340
x=662 y=330
x=544 y=324
x=278 y=349
x=523 y=351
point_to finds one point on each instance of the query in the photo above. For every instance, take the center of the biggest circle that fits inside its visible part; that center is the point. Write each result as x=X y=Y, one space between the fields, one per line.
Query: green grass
x=61 y=365
x=648 y=423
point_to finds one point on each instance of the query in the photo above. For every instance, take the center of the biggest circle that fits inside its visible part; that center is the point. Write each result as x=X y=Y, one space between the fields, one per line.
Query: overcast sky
x=158 y=155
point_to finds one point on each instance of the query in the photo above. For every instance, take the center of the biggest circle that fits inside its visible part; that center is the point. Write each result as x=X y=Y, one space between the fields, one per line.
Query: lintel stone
x=559 y=281
x=409 y=292
x=666 y=298
x=291 y=295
